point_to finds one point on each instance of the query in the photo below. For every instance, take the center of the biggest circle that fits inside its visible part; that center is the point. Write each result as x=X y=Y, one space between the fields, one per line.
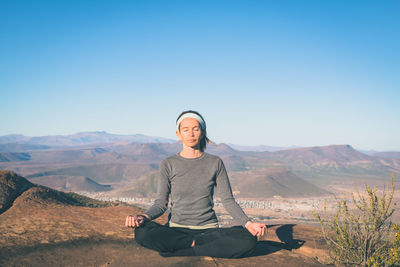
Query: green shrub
x=392 y=258
x=361 y=234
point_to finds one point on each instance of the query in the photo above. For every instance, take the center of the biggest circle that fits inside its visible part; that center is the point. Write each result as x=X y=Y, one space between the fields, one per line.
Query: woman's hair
x=204 y=140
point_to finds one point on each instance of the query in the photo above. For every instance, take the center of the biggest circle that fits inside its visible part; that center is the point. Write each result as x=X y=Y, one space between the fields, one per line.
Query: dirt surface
x=284 y=245
x=42 y=230
x=24 y=225
x=128 y=253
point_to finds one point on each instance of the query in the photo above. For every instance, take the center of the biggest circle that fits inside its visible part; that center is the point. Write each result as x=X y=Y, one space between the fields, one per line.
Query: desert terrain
x=45 y=227
x=65 y=198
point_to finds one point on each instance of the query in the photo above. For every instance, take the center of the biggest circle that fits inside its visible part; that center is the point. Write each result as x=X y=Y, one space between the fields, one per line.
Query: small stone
x=19 y=230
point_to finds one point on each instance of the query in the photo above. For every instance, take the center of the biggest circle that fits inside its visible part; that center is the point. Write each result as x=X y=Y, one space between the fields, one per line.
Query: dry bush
x=363 y=235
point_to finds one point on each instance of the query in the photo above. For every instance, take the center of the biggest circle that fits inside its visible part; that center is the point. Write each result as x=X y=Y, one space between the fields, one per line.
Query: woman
x=189 y=178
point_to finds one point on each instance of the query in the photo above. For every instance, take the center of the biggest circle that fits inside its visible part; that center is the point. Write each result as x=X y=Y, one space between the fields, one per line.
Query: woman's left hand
x=256 y=229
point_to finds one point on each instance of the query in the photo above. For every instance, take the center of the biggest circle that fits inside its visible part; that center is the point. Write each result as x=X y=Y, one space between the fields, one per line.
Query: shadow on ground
x=126 y=252
x=285 y=235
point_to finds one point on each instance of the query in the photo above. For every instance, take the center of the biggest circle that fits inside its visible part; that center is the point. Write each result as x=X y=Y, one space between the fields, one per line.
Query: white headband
x=191 y=115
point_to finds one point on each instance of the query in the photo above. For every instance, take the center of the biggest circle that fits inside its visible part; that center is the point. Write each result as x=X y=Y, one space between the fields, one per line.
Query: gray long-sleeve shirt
x=190 y=183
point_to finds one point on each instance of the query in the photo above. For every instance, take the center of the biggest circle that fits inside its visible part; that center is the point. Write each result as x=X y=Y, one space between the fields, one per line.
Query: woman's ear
x=178 y=134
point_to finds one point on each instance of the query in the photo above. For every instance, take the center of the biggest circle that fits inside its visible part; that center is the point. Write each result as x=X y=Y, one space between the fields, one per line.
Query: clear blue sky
x=278 y=73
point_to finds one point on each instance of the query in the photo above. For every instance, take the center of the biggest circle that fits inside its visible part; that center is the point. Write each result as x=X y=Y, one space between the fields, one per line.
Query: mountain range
x=18 y=142
x=130 y=168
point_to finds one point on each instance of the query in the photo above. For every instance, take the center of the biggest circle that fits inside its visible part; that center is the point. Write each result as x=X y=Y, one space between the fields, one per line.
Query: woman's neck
x=190 y=152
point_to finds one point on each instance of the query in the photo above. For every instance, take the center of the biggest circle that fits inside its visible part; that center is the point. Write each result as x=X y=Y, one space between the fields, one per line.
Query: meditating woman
x=189 y=178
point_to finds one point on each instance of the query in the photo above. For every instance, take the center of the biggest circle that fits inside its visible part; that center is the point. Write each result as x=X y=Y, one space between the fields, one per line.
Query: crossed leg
x=234 y=242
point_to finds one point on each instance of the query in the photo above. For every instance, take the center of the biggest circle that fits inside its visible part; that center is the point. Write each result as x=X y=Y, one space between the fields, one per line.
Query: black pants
x=234 y=242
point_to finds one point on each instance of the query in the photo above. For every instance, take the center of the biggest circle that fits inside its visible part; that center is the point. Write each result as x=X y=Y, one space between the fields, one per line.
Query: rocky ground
x=285 y=245
x=42 y=228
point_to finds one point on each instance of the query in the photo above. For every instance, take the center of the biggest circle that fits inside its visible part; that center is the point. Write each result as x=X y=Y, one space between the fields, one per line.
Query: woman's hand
x=136 y=220
x=256 y=229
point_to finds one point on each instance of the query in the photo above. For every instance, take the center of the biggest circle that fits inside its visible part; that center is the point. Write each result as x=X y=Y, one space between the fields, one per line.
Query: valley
x=280 y=183
x=75 y=198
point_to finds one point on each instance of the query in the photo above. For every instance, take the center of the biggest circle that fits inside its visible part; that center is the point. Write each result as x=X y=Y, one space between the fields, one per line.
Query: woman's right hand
x=256 y=229
x=135 y=220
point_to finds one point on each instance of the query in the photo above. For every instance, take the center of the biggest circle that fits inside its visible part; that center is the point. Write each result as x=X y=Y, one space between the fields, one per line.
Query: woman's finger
x=137 y=221
x=255 y=232
x=127 y=221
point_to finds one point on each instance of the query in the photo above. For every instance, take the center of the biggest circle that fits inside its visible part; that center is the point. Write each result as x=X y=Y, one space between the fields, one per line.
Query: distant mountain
x=389 y=155
x=79 y=139
x=11 y=156
x=109 y=173
x=70 y=183
x=18 y=147
x=131 y=152
x=221 y=149
x=312 y=155
x=122 y=163
x=74 y=155
x=13 y=138
x=147 y=152
x=144 y=186
x=368 y=152
x=259 y=148
x=272 y=182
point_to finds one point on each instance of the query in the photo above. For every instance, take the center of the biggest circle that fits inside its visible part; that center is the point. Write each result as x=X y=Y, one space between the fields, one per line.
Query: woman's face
x=190 y=132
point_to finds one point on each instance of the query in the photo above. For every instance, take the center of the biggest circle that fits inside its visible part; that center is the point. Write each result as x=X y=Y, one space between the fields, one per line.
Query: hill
x=11 y=156
x=147 y=152
x=11 y=187
x=333 y=154
x=334 y=162
x=265 y=183
x=70 y=183
x=144 y=186
x=101 y=173
x=45 y=227
x=34 y=214
x=16 y=190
